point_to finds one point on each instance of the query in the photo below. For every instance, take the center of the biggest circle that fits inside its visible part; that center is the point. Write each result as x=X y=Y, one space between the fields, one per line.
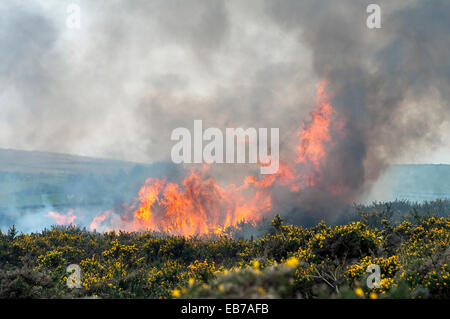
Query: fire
x=200 y=206
x=313 y=137
x=62 y=219
x=98 y=220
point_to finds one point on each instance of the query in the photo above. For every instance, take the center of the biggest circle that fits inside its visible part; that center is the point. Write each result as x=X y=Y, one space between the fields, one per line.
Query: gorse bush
x=287 y=261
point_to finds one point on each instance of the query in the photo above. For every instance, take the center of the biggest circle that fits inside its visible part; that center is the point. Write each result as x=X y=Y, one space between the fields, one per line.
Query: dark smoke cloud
x=381 y=79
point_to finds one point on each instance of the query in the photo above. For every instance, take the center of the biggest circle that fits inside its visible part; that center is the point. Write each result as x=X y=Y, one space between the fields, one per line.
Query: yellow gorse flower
x=176 y=293
x=359 y=292
x=292 y=262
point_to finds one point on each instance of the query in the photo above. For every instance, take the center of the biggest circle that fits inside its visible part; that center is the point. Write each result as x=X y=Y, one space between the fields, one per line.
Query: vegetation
x=288 y=261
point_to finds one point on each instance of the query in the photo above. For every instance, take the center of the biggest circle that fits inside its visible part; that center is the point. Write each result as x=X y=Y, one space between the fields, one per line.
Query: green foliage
x=12 y=232
x=286 y=262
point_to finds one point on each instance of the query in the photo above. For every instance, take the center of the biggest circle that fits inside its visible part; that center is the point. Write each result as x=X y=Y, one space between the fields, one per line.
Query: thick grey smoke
x=138 y=69
x=391 y=84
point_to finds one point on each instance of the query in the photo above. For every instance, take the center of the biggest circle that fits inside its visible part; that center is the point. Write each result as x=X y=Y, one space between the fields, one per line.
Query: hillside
x=31 y=181
x=415 y=183
x=33 y=162
x=34 y=183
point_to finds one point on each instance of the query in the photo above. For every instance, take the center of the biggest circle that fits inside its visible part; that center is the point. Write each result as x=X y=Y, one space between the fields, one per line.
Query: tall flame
x=199 y=205
x=313 y=137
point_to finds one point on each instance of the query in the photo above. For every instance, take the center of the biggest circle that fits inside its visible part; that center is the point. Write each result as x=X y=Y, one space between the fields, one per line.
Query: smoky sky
x=136 y=70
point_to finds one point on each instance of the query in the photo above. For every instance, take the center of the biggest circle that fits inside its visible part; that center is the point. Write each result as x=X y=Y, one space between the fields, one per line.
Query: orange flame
x=62 y=219
x=314 y=136
x=199 y=205
x=98 y=220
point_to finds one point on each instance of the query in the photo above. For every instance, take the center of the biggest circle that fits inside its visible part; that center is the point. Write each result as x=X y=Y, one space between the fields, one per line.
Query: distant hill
x=34 y=162
x=33 y=180
x=417 y=183
x=35 y=183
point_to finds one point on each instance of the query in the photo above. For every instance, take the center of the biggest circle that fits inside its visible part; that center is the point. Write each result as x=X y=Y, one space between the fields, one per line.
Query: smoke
x=391 y=84
x=136 y=70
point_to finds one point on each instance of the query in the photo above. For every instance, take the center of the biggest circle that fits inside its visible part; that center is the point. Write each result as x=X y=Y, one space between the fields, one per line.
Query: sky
x=135 y=70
